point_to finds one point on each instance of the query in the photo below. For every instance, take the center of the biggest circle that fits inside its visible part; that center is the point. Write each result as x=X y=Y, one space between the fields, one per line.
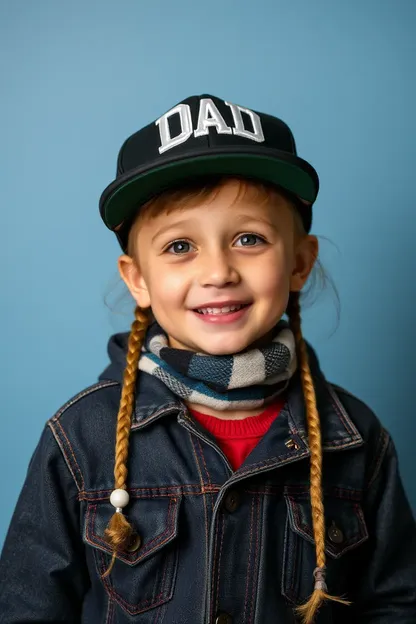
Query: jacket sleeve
x=43 y=573
x=387 y=582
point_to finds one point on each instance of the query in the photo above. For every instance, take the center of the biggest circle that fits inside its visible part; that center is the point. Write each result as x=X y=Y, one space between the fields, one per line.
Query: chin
x=231 y=348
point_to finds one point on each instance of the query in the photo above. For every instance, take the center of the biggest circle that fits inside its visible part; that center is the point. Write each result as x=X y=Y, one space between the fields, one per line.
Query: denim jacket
x=217 y=546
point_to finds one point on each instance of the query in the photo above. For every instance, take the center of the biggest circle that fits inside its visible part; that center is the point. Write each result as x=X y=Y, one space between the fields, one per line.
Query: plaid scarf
x=249 y=379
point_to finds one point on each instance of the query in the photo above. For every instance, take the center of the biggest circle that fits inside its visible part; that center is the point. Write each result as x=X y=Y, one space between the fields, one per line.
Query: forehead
x=229 y=193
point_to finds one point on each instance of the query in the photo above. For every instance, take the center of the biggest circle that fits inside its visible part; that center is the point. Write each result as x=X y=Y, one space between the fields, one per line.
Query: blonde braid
x=319 y=595
x=119 y=532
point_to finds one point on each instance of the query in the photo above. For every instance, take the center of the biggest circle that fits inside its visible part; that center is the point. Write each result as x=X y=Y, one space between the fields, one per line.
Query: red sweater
x=237 y=438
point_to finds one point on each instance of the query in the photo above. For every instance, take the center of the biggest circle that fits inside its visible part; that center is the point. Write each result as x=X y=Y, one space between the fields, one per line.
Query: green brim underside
x=137 y=190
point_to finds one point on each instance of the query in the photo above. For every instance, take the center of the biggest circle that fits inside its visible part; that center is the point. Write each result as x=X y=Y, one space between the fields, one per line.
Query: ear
x=306 y=253
x=134 y=280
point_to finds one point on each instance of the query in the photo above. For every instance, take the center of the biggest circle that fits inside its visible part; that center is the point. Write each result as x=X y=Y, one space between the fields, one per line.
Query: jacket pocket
x=345 y=532
x=143 y=577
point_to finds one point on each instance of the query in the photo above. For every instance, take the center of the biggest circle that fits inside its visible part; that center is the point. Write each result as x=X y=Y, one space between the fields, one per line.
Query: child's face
x=212 y=261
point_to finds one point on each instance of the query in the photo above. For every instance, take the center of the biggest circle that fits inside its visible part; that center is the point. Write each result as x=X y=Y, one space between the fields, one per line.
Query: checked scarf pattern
x=246 y=380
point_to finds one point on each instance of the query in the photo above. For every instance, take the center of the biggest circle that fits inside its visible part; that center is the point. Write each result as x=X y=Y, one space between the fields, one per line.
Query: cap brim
x=128 y=192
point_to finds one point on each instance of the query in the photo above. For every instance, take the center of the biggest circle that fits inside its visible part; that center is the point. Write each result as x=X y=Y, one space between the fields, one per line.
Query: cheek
x=272 y=278
x=167 y=285
x=273 y=289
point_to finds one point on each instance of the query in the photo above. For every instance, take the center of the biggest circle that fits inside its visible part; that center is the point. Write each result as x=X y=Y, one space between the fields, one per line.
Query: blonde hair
x=120 y=533
x=310 y=608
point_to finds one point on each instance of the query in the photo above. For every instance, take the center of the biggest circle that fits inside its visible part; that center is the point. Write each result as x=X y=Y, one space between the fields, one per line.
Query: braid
x=319 y=595
x=120 y=532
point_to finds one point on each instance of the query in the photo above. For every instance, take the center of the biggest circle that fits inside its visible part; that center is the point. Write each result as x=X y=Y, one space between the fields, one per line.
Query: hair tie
x=119 y=499
x=319 y=576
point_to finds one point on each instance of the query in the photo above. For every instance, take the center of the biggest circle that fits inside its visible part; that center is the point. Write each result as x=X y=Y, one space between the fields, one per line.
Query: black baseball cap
x=205 y=136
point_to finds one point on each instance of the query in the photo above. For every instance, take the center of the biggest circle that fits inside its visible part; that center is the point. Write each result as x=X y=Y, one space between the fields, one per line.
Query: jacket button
x=335 y=534
x=135 y=543
x=224 y=618
x=232 y=502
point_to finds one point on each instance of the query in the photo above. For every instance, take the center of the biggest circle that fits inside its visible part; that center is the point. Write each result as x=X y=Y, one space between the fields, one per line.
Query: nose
x=217 y=269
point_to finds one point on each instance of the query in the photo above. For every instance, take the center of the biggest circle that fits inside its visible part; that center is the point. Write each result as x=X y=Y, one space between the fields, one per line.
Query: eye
x=180 y=247
x=249 y=239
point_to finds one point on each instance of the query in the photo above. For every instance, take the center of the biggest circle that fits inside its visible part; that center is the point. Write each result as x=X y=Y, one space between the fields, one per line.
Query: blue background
x=78 y=77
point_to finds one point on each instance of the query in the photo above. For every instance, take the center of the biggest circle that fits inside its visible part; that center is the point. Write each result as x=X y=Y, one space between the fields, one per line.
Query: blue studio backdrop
x=78 y=77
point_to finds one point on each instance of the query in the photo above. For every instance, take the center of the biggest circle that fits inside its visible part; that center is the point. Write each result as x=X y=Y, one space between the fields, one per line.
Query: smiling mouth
x=223 y=310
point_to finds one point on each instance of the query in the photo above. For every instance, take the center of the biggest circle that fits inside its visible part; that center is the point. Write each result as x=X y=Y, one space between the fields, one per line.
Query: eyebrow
x=169 y=227
x=244 y=217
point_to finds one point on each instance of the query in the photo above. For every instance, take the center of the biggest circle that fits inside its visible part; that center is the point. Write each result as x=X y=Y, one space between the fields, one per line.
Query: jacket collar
x=154 y=401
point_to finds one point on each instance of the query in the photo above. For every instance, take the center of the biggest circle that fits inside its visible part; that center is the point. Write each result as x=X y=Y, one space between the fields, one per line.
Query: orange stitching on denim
x=60 y=443
x=342 y=413
x=273 y=490
x=281 y=459
x=84 y=496
x=347 y=545
x=198 y=441
x=96 y=540
x=81 y=485
x=169 y=489
x=72 y=453
x=171 y=515
x=81 y=395
x=331 y=492
x=209 y=484
x=176 y=490
x=167 y=532
x=204 y=501
x=143 y=605
x=303 y=528
x=203 y=490
x=197 y=462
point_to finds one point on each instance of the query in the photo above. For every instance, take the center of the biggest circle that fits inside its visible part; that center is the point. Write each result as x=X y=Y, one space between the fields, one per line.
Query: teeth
x=223 y=310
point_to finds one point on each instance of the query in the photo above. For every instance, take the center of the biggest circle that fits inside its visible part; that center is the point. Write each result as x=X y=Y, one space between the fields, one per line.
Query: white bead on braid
x=119 y=499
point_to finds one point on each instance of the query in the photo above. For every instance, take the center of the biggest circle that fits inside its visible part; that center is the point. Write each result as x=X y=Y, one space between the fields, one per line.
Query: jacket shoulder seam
x=343 y=391
x=81 y=395
x=68 y=453
x=63 y=440
x=382 y=446
x=342 y=412
x=382 y=442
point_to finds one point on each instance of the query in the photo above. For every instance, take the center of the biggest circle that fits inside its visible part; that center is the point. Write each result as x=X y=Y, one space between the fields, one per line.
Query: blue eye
x=180 y=247
x=249 y=237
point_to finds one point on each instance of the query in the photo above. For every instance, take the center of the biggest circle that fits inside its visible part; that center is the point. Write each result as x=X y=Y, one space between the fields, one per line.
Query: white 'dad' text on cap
x=208 y=117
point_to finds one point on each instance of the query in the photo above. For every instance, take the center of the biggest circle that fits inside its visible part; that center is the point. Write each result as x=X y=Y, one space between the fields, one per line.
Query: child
x=230 y=483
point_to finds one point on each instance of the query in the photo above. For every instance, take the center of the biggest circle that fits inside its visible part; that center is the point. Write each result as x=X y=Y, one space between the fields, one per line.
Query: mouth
x=222 y=315
x=217 y=311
